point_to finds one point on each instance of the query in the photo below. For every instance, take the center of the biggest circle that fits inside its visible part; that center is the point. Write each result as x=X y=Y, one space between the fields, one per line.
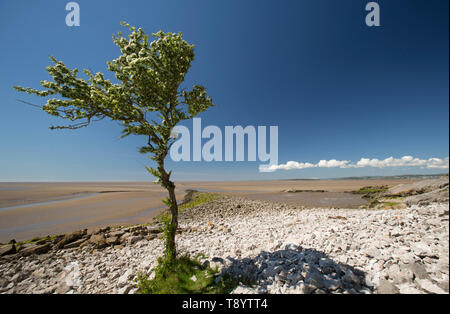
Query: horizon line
x=247 y=180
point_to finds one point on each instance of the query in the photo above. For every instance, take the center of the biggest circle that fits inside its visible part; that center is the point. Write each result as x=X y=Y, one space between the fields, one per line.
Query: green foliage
x=390 y=204
x=36 y=239
x=373 y=203
x=169 y=230
x=376 y=203
x=375 y=195
x=200 y=198
x=369 y=191
x=147 y=100
x=48 y=238
x=154 y=173
x=187 y=276
x=165 y=218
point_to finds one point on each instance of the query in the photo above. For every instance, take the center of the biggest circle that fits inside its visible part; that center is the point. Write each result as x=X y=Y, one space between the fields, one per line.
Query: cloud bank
x=405 y=161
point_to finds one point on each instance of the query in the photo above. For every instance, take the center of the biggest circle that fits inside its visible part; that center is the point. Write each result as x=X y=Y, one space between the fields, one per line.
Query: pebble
x=283 y=248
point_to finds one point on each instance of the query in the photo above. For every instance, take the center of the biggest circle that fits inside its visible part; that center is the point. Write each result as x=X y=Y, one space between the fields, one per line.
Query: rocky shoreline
x=286 y=249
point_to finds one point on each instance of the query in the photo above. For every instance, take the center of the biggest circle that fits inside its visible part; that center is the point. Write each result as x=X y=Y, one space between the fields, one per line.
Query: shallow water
x=65 y=207
x=314 y=199
x=10 y=188
x=76 y=197
x=229 y=191
x=35 y=226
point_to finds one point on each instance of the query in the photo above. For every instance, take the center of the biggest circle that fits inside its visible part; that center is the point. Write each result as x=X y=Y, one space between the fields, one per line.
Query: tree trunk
x=171 y=247
x=171 y=250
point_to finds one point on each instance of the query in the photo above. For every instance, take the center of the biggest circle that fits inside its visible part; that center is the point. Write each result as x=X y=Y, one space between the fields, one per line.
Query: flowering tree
x=147 y=100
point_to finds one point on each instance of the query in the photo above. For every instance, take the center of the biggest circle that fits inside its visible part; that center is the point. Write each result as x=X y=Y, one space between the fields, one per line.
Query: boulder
x=57 y=238
x=419 y=270
x=7 y=249
x=102 y=230
x=36 y=249
x=421 y=249
x=125 y=278
x=154 y=229
x=98 y=240
x=70 y=238
x=42 y=241
x=315 y=280
x=351 y=278
x=74 y=244
x=18 y=277
x=138 y=231
x=387 y=287
x=134 y=239
x=112 y=240
x=333 y=284
x=124 y=290
x=61 y=288
x=242 y=289
x=117 y=233
x=429 y=287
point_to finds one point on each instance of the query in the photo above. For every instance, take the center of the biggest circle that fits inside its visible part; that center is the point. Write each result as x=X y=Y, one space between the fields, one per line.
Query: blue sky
x=336 y=88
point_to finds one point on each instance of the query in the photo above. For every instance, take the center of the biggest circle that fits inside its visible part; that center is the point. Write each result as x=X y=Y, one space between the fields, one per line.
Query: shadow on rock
x=294 y=270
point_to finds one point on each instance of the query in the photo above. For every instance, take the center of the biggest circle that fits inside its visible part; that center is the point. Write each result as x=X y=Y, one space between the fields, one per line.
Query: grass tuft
x=194 y=199
x=370 y=191
x=187 y=276
x=378 y=198
x=198 y=199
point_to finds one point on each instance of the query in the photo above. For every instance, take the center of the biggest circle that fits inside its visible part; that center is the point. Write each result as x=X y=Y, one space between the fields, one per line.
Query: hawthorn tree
x=148 y=100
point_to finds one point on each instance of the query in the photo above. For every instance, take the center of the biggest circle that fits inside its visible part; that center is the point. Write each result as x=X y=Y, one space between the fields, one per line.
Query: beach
x=283 y=248
x=294 y=236
x=30 y=210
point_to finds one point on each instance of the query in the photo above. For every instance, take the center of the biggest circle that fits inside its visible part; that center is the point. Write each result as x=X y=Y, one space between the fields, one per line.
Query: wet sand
x=313 y=199
x=247 y=187
x=37 y=209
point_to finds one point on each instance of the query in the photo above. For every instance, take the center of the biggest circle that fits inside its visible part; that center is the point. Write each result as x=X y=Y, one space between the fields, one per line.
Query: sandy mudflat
x=37 y=209
x=285 y=249
x=247 y=187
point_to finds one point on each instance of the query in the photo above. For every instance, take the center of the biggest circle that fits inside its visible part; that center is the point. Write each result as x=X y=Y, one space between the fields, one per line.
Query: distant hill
x=396 y=177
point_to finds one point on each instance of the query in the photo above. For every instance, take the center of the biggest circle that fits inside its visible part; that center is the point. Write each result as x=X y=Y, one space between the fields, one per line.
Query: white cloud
x=405 y=161
x=333 y=163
